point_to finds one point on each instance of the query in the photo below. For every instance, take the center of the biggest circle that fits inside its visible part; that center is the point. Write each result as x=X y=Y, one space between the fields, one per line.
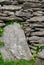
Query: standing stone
x=15 y=42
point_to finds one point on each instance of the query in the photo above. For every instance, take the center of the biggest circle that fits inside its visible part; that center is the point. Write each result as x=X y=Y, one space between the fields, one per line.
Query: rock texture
x=15 y=43
x=31 y=13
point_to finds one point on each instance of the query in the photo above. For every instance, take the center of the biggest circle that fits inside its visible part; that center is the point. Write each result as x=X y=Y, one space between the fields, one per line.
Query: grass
x=15 y=21
x=1 y=44
x=18 y=62
x=1 y=31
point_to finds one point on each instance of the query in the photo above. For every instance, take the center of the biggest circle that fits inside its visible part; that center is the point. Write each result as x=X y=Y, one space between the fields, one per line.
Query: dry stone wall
x=31 y=13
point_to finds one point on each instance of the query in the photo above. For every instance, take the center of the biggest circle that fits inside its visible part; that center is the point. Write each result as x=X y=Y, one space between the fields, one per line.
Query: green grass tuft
x=1 y=44
x=1 y=31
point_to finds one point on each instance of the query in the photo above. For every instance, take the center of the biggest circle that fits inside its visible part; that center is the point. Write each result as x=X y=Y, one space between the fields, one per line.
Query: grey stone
x=2 y=14
x=5 y=2
x=23 y=14
x=33 y=0
x=1 y=21
x=6 y=54
x=34 y=38
x=21 y=1
x=28 y=5
x=41 y=54
x=10 y=18
x=2 y=0
x=2 y=24
x=40 y=33
x=38 y=44
x=10 y=8
x=28 y=0
x=37 y=9
x=14 y=2
x=40 y=29
x=9 y=13
x=38 y=13
x=41 y=41
x=6 y=18
x=15 y=42
x=37 y=25
x=39 y=18
x=42 y=0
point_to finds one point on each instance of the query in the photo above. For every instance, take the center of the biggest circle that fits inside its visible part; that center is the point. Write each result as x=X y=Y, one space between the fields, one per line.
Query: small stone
x=41 y=33
x=34 y=38
x=1 y=21
x=2 y=14
x=2 y=24
x=38 y=13
x=40 y=18
x=23 y=14
x=10 y=8
x=8 y=13
x=28 y=5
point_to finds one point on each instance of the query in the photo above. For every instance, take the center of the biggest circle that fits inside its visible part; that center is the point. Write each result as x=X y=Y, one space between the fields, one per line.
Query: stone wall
x=31 y=13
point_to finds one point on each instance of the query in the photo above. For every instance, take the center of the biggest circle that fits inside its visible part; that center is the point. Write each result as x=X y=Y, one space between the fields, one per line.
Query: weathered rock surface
x=2 y=24
x=31 y=13
x=23 y=14
x=15 y=43
x=41 y=55
x=10 y=8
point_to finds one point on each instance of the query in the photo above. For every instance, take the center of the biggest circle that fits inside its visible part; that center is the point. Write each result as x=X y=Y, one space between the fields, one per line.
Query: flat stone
x=40 y=33
x=28 y=5
x=6 y=18
x=2 y=24
x=15 y=43
x=23 y=14
x=5 y=2
x=34 y=38
x=10 y=18
x=15 y=2
x=1 y=21
x=37 y=25
x=21 y=1
x=41 y=41
x=37 y=9
x=40 y=29
x=33 y=0
x=38 y=45
x=2 y=14
x=9 y=13
x=40 y=18
x=10 y=8
x=38 y=13
x=2 y=0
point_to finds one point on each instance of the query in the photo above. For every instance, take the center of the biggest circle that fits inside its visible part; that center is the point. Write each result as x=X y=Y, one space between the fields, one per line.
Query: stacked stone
x=31 y=12
x=7 y=10
x=34 y=26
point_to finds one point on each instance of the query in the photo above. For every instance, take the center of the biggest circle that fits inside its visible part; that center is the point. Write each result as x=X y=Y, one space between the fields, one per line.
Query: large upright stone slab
x=15 y=43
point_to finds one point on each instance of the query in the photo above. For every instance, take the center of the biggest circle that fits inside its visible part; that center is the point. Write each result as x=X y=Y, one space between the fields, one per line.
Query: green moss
x=19 y=62
x=15 y=21
x=1 y=44
x=1 y=31
x=9 y=22
x=1 y=59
